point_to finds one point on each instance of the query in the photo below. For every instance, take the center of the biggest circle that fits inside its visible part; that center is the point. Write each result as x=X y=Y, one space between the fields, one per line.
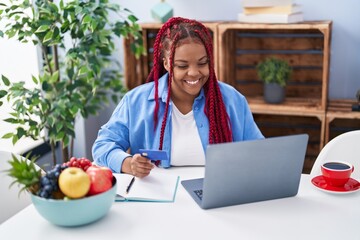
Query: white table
x=311 y=214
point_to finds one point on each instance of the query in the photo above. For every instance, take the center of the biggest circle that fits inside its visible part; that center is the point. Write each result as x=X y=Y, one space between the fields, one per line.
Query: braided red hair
x=167 y=39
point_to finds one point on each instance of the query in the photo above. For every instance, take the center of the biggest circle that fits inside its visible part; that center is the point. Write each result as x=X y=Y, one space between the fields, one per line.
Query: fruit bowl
x=75 y=212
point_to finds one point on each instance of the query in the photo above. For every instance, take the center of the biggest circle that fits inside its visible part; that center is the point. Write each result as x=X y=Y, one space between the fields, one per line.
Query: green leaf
x=132 y=18
x=93 y=26
x=78 y=10
x=74 y=109
x=86 y=19
x=66 y=141
x=59 y=126
x=34 y=79
x=48 y=37
x=14 y=139
x=8 y=135
x=3 y=93
x=20 y=132
x=5 y=80
x=83 y=70
x=60 y=136
x=11 y=120
x=42 y=28
x=45 y=86
x=50 y=121
x=54 y=77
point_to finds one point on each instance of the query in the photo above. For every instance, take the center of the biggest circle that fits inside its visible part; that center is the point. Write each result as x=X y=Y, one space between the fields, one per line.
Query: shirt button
x=201 y=125
x=196 y=108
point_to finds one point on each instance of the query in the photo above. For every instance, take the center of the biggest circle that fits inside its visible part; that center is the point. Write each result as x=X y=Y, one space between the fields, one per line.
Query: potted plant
x=77 y=39
x=274 y=73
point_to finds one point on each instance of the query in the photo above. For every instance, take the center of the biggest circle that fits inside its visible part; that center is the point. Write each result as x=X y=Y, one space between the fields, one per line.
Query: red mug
x=336 y=174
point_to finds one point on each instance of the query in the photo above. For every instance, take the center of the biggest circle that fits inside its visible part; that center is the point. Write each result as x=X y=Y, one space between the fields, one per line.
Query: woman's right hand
x=137 y=165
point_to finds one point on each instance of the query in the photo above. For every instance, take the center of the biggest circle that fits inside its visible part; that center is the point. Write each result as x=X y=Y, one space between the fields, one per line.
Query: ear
x=166 y=64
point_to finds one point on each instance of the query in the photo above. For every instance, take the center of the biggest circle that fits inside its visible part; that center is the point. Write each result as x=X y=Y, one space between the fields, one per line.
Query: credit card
x=154 y=154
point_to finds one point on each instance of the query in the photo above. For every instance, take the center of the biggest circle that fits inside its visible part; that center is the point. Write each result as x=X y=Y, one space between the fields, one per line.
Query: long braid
x=167 y=39
x=163 y=124
x=158 y=68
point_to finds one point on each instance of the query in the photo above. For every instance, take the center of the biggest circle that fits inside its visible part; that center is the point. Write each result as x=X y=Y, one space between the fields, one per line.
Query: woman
x=180 y=110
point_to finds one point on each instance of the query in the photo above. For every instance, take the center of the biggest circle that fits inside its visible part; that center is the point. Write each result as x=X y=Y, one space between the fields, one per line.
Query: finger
x=141 y=166
x=141 y=175
x=142 y=159
x=146 y=165
x=144 y=170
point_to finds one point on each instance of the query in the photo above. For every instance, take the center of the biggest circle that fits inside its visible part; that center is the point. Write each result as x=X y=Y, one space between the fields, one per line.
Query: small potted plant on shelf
x=274 y=73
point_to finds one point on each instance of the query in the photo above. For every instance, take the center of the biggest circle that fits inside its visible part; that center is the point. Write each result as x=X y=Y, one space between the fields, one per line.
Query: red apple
x=107 y=172
x=100 y=180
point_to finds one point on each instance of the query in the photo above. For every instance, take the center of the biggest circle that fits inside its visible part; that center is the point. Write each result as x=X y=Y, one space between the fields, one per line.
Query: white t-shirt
x=186 y=147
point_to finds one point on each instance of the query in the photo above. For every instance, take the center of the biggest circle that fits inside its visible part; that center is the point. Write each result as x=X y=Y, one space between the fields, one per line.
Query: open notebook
x=158 y=186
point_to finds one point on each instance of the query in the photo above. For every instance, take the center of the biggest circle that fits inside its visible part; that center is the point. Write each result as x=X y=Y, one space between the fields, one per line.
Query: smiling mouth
x=192 y=82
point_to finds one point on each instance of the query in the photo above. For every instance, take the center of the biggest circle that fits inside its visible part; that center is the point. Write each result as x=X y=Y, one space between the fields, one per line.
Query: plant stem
x=72 y=147
x=65 y=152
x=56 y=60
x=48 y=63
x=52 y=145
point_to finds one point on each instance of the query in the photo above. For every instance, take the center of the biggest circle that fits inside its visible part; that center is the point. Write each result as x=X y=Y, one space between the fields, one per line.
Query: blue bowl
x=75 y=212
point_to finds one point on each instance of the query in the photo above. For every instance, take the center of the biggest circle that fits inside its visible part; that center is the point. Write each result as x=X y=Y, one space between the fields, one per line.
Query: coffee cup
x=336 y=173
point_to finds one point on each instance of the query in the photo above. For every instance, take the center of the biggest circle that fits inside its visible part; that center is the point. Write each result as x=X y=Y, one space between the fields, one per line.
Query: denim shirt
x=131 y=125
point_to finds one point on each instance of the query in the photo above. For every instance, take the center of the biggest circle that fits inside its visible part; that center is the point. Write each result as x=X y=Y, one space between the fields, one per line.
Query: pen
x=130 y=184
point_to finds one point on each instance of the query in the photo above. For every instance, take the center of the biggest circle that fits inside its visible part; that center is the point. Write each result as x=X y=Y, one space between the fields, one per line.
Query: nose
x=193 y=71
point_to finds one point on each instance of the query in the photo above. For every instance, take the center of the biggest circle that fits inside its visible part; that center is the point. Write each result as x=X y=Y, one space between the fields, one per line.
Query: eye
x=181 y=66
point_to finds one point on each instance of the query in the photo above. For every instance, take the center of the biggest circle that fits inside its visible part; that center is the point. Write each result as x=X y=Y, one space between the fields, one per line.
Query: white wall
x=17 y=62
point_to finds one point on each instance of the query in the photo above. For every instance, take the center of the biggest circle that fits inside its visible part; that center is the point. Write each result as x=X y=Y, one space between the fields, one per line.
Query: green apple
x=74 y=182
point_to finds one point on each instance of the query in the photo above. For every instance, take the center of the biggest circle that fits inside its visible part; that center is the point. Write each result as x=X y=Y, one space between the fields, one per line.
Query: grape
x=49 y=182
x=82 y=163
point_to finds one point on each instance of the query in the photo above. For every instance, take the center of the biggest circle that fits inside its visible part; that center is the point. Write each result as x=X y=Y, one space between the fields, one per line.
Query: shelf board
x=291 y=106
x=341 y=108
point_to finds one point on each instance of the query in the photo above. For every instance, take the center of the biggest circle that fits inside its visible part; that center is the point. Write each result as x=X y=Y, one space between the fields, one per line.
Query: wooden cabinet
x=239 y=47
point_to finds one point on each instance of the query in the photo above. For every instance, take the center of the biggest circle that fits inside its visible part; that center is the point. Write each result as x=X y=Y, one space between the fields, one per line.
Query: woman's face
x=190 y=70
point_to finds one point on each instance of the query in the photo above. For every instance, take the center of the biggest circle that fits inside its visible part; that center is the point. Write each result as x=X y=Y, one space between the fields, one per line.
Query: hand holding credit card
x=154 y=155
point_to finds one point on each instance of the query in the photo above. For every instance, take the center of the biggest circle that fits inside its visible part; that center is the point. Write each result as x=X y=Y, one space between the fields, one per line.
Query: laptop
x=249 y=171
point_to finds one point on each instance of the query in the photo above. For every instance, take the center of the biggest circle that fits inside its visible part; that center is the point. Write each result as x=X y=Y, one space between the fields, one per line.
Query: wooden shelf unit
x=306 y=46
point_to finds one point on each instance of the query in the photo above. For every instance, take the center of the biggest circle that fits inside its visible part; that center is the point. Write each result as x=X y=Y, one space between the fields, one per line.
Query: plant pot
x=274 y=93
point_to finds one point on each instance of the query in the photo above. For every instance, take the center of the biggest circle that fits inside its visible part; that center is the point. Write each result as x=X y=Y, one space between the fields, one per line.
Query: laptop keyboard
x=199 y=193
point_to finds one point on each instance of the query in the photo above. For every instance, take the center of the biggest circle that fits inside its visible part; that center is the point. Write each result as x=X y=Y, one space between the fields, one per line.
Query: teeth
x=192 y=82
